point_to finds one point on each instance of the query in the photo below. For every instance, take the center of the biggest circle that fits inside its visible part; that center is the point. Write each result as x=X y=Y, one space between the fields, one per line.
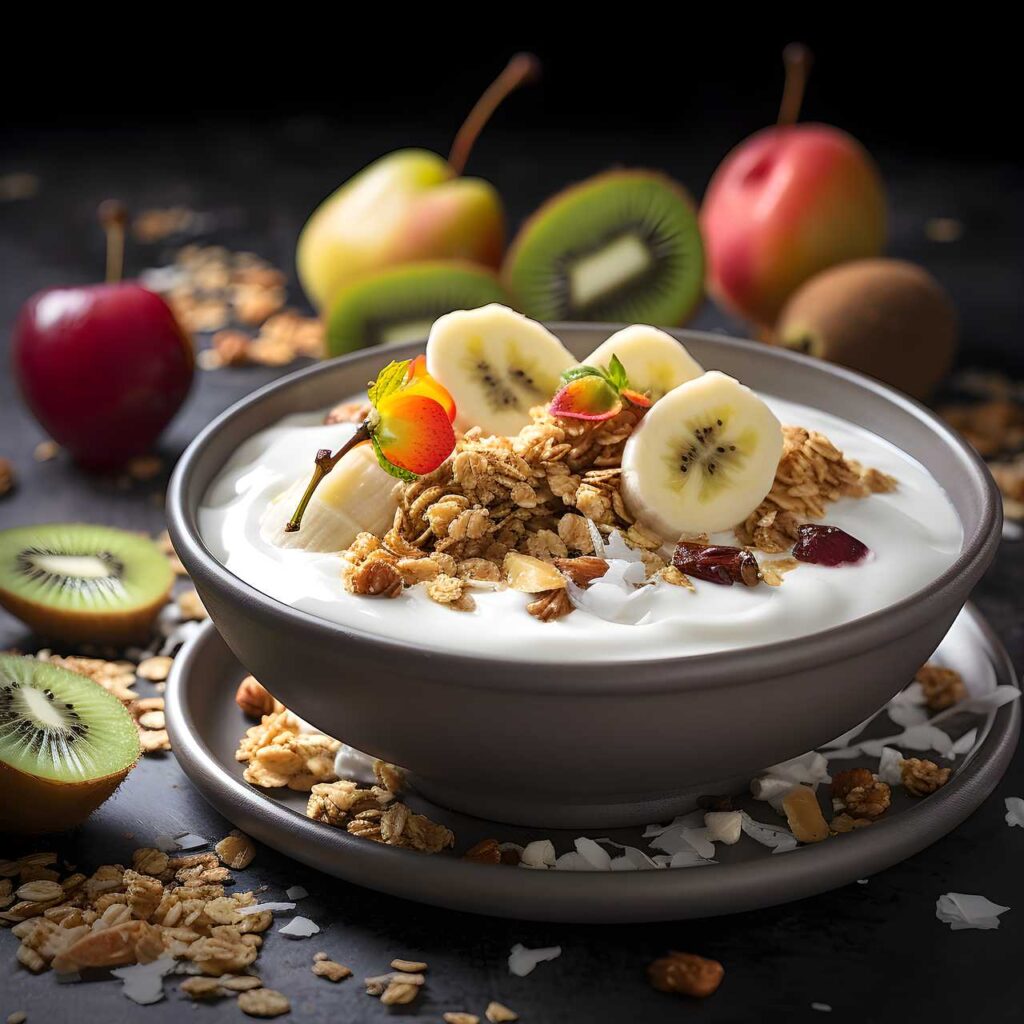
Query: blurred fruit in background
x=887 y=318
x=623 y=246
x=103 y=367
x=789 y=201
x=409 y=206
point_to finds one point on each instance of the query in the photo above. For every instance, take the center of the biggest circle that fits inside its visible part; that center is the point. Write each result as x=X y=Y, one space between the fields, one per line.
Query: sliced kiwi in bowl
x=65 y=746
x=80 y=583
x=623 y=246
x=400 y=303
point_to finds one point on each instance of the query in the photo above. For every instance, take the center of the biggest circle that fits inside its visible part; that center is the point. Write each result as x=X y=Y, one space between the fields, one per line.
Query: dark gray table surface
x=873 y=952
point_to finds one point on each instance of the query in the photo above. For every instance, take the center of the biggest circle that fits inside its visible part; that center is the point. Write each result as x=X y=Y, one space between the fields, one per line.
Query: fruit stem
x=114 y=219
x=325 y=462
x=522 y=68
x=797 y=59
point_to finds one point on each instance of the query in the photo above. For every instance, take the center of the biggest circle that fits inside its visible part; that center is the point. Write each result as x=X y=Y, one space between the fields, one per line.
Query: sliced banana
x=702 y=459
x=655 y=362
x=356 y=495
x=497 y=364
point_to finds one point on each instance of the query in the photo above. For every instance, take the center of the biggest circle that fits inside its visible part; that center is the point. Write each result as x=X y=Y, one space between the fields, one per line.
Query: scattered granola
x=687 y=974
x=330 y=970
x=457 y=1017
x=922 y=777
x=280 y=753
x=409 y=966
x=942 y=687
x=498 y=1013
x=254 y=699
x=45 y=451
x=236 y=850
x=155 y=669
x=191 y=606
x=263 y=1002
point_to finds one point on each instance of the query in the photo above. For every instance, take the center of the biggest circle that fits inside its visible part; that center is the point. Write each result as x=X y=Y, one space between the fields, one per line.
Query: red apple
x=103 y=368
x=785 y=204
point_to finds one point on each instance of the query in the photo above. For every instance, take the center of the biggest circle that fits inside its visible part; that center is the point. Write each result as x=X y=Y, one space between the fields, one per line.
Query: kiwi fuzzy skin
x=32 y=805
x=117 y=628
x=887 y=318
x=615 y=174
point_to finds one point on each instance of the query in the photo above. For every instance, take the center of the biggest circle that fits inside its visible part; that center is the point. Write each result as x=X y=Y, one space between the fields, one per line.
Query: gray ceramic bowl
x=566 y=745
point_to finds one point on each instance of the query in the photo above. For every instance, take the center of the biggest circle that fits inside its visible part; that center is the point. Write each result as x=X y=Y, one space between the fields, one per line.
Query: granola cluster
x=941 y=687
x=279 y=752
x=163 y=905
x=812 y=473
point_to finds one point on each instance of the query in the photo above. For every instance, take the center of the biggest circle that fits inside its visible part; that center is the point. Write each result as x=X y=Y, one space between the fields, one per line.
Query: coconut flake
x=821 y=1007
x=299 y=928
x=637 y=858
x=188 y=841
x=615 y=596
x=1014 y=811
x=598 y=859
x=538 y=854
x=144 y=983
x=684 y=839
x=808 y=769
x=908 y=708
x=350 y=763
x=179 y=636
x=961 y=910
x=573 y=862
x=695 y=819
x=889 y=766
x=258 y=908
x=844 y=740
x=964 y=745
x=779 y=840
x=522 y=961
x=296 y=892
x=724 y=826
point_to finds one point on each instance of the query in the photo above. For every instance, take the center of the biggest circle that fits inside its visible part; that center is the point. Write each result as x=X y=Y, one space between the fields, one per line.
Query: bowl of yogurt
x=584 y=619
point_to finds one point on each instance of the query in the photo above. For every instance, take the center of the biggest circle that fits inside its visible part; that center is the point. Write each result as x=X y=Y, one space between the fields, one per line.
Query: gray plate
x=205 y=726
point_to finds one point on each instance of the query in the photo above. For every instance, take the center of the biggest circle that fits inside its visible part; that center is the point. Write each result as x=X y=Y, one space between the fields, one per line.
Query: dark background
x=254 y=120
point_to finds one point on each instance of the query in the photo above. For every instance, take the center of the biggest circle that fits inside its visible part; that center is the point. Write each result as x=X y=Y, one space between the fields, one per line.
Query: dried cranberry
x=828 y=545
x=716 y=563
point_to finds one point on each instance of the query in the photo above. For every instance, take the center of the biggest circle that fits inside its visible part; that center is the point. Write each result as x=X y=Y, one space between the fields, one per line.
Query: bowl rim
x=670 y=673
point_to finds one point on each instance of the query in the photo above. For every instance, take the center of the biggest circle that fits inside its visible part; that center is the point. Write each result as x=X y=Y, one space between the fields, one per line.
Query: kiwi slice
x=400 y=303
x=83 y=584
x=65 y=745
x=623 y=246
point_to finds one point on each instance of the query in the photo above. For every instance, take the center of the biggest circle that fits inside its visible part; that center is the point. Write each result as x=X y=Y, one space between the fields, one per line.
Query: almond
x=530 y=575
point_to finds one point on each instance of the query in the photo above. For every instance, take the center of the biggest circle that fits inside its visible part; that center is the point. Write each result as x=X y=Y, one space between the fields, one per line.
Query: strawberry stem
x=798 y=59
x=522 y=68
x=325 y=462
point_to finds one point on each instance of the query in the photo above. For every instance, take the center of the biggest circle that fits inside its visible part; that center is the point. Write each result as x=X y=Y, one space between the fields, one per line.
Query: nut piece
x=921 y=777
x=530 y=575
x=263 y=1002
x=804 y=815
x=844 y=823
x=869 y=801
x=851 y=778
x=498 y=1013
x=253 y=698
x=584 y=570
x=398 y=994
x=487 y=851
x=942 y=687
x=331 y=970
x=551 y=605
x=236 y=850
x=687 y=974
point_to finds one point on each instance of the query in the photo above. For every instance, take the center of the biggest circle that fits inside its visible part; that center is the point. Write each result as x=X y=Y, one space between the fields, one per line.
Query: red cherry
x=828 y=545
x=103 y=368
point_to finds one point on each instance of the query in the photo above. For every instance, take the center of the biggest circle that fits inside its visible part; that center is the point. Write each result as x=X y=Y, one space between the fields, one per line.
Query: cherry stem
x=522 y=68
x=325 y=462
x=797 y=59
x=114 y=218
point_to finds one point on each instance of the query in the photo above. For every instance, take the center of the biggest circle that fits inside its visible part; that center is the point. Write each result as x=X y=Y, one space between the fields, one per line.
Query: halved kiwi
x=83 y=584
x=623 y=246
x=65 y=746
x=400 y=303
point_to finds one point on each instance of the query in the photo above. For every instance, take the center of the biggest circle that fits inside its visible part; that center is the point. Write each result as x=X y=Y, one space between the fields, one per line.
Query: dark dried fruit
x=486 y=851
x=686 y=973
x=715 y=803
x=828 y=545
x=582 y=571
x=717 y=563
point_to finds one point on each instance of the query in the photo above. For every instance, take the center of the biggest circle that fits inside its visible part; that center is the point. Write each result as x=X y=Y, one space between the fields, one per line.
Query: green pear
x=411 y=205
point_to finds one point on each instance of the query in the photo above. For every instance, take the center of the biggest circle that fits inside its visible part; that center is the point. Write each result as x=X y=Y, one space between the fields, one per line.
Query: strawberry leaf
x=388 y=381
x=617 y=373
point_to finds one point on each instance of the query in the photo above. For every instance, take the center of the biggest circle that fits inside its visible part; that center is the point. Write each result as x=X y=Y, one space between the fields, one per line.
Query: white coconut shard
x=258 y=908
x=299 y=928
x=724 y=826
x=538 y=854
x=1014 y=811
x=596 y=858
x=522 y=961
x=962 y=910
x=889 y=766
x=296 y=892
x=144 y=983
x=964 y=745
x=188 y=841
x=779 y=840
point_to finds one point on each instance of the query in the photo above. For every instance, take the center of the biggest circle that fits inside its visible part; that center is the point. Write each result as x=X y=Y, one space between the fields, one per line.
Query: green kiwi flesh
x=400 y=303
x=623 y=246
x=60 y=726
x=83 y=583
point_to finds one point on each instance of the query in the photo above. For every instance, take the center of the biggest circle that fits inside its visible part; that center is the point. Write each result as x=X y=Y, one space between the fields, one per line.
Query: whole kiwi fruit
x=887 y=318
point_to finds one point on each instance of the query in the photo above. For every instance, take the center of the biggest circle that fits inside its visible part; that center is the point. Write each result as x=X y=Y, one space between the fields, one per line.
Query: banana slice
x=356 y=496
x=497 y=364
x=655 y=362
x=702 y=459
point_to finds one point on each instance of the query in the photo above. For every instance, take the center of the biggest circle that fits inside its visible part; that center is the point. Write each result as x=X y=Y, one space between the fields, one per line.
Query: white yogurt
x=914 y=535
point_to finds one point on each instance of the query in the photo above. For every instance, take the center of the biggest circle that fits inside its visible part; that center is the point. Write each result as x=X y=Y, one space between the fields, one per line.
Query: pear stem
x=797 y=59
x=114 y=219
x=522 y=68
x=325 y=462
